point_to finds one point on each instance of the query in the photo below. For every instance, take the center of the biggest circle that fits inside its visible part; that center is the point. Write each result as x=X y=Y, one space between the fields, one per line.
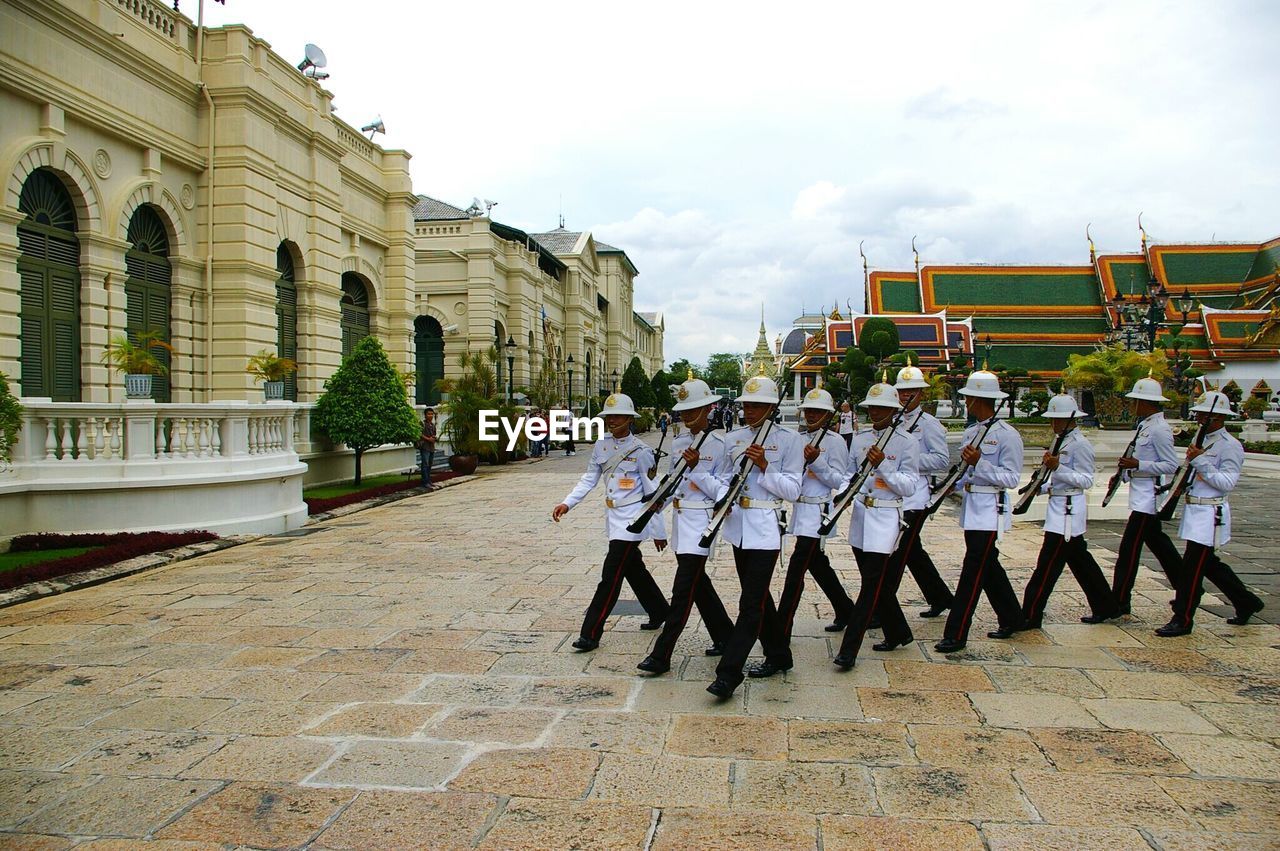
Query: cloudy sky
x=740 y=152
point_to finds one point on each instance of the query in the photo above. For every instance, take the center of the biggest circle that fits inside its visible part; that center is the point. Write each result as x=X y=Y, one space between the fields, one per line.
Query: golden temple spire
x=1093 y=254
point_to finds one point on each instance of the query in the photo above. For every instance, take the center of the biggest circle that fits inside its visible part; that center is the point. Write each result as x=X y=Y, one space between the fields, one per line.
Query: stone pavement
x=401 y=677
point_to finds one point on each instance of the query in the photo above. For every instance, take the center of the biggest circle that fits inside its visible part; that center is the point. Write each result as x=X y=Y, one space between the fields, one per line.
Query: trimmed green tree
x=724 y=370
x=10 y=420
x=636 y=385
x=661 y=384
x=678 y=370
x=879 y=338
x=364 y=403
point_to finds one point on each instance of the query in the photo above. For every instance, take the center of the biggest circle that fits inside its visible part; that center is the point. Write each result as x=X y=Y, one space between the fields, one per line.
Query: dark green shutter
x=355 y=312
x=428 y=341
x=287 y=318
x=147 y=288
x=49 y=275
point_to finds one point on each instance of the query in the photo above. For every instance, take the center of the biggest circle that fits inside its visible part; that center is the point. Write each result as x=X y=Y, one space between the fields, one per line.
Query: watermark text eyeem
x=558 y=425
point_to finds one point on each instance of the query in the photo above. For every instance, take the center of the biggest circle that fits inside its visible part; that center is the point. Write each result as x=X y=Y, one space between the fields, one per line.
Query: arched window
x=146 y=288
x=428 y=340
x=355 y=311
x=287 y=316
x=49 y=272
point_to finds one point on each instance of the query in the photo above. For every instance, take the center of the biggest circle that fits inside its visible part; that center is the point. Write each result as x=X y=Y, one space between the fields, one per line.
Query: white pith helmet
x=1148 y=390
x=760 y=388
x=984 y=385
x=1213 y=402
x=694 y=393
x=881 y=395
x=818 y=399
x=618 y=404
x=911 y=378
x=1063 y=407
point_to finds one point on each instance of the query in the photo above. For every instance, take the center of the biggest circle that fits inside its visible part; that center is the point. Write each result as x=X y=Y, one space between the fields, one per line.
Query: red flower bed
x=317 y=505
x=112 y=547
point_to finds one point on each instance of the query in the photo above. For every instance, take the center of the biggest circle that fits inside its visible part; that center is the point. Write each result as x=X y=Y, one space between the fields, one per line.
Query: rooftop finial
x=1093 y=254
x=690 y=378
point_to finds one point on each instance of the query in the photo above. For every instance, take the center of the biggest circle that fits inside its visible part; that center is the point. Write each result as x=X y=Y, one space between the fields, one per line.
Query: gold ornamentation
x=683 y=394
x=611 y=402
x=815 y=394
x=876 y=390
x=752 y=386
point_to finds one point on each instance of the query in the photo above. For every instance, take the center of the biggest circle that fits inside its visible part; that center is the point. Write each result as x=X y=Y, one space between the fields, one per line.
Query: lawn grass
x=12 y=561
x=344 y=488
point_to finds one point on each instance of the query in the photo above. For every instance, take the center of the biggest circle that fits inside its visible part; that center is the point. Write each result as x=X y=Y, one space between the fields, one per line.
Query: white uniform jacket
x=876 y=514
x=931 y=443
x=830 y=470
x=692 y=508
x=625 y=487
x=985 y=486
x=1068 y=487
x=1157 y=458
x=1214 y=475
x=755 y=526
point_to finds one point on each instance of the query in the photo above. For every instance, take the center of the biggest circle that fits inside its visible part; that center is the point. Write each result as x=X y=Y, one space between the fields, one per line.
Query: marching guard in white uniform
x=752 y=527
x=825 y=468
x=1066 y=517
x=623 y=462
x=1206 y=520
x=985 y=513
x=876 y=524
x=1153 y=460
x=931 y=440
x=690 y=514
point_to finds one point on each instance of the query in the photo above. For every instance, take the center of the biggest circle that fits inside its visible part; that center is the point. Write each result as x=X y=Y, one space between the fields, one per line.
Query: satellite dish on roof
x=315 y=58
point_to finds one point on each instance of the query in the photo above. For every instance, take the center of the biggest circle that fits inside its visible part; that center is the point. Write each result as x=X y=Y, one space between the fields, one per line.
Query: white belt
x=1136 y=474
x=1065 y=492
x=749 y=502
x=692 y=504
x=1205 y=500
x=879 y=502
x=630 y=499
x=972 y=488
x=814 y=500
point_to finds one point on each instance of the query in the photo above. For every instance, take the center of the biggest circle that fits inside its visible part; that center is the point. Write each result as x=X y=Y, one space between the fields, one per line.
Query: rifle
x=1117 y=477
x=845 y=497
x=957 y=469
x=1031 y=490
x=1182 y=478
x=658 y=455
x=666 y=488
x=736 y=484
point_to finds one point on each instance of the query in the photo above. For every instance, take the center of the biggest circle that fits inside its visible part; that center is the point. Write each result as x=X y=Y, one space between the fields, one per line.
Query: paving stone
x=376 y=720
x=530 y=823
x=1239 y=688
x=712 y=830
x=1067 y=682
x=266 y=718
x=861 y=742
x=265 y=758
x=580 y=692
x=1167 y=660
x=1032 y=710
x=89 y=679
x=1148 y=686
x=1048 y=837
x=618 y=732
x=1242 y=720
x=64 y=711
x=1067 y=798
x=949 y=793
x=912 y=676
x=917 y=707
x=1226 y=756
x=262 y=816
x=1219 y=804
x=778 y=698
x=191 y=682
x=395 y=820
x=553 y=664
x=873 y=833
x=979 y=652
x=148 y=754
x=745 y=738
x=24 y=792
x=484 y=724
x=518 y=642
x=419 y=765
x=1164 y=716
x=1187 y=840
x=1084 y=658
x=667 y=695
x=130 y=806
x=1107 y=750
x=563 y=773
x=436 y=661
x=967 y=747
x=361 y=661
x=802 y=787
x=164 y=713
x=473 y=690
x=35 y=842
x=665 y=781
x=434 y=639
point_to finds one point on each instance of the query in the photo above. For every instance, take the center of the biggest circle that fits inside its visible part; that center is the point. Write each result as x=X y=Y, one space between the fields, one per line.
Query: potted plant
x=137 y=360
x=271 y=370
x=460 y=429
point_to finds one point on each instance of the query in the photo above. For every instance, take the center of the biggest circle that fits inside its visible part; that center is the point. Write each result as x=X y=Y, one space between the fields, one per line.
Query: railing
x=152 y=15
x=76 y=434
x=355 y=142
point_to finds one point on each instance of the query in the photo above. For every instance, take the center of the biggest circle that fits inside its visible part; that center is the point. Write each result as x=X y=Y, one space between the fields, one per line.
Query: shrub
x=10 y=420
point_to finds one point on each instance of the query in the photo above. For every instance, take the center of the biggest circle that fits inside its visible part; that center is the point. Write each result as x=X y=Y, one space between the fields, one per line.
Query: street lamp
x=511 y=366
x=497 y=364
x=986 y=350
x=586 y=387
x=569 y=395
x=615 y=378
x=1185 y=304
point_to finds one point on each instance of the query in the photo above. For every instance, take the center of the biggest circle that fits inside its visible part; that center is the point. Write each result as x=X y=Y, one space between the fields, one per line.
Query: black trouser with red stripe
x=1142 y=529
x=912 y=552
x=755 y=606
x=692 y=587
x=982 y=571
x=878 y=596
x=1202 y=563
x=808 y=557
x=1055 y=552
x=622 y=561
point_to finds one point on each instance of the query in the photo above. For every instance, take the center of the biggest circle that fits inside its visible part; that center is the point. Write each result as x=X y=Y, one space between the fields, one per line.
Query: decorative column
x=102 y=313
